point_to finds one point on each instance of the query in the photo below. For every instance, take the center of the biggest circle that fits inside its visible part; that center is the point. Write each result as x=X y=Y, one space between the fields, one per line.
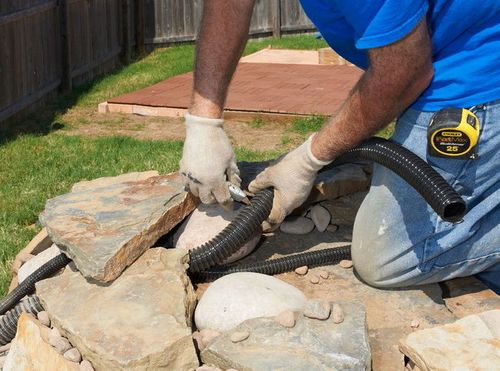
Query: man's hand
x=208 y=160
x=292 y=177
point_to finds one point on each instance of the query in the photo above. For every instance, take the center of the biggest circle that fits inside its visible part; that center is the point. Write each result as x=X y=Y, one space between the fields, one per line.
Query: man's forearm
x=397 y=75
x=222 y=38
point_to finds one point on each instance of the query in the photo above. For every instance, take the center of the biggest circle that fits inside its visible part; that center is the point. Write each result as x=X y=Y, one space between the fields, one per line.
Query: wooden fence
x=168 y=21
x=48 y=46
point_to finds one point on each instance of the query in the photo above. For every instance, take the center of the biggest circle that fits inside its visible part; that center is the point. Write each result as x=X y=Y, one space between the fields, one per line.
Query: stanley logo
x=451 y=134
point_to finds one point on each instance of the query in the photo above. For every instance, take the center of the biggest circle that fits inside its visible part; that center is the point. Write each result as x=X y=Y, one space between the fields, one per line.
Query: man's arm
x=397 y=75
x=208 y=162
x=222 y=38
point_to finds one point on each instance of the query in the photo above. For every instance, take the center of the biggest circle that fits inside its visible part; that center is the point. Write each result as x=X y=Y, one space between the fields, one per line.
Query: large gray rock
x=106 y=224
x=471 y=343
x=310 y=345
x=237 y=297
x=204 y=223
x=140 y=321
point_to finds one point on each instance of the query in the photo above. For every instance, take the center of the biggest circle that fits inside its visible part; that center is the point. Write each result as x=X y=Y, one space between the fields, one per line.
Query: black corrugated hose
x=281 y=265
x=420 y=175
x=433 y=188
x=28 y=285
x=436 y=191
x=8 y=322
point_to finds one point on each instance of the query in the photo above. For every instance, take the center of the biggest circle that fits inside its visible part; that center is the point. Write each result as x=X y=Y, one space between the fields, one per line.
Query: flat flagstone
x=106 y=224
x=471 y=343
x=140 y=321
x=310 y=345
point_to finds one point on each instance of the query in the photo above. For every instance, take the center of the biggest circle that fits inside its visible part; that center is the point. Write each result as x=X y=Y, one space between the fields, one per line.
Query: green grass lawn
x=39 y=164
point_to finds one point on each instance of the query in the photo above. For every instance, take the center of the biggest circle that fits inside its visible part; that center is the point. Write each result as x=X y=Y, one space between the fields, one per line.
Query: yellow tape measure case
x=453 y=133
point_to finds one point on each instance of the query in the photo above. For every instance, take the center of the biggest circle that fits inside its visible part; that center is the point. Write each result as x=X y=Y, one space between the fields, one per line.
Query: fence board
x=36 y=59
x=293 y=17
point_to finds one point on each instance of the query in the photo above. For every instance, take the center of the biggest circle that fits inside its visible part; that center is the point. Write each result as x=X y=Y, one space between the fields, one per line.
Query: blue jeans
x=398 y=240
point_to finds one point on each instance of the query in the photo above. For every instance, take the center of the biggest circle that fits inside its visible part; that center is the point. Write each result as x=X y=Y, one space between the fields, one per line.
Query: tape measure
x=453 y=132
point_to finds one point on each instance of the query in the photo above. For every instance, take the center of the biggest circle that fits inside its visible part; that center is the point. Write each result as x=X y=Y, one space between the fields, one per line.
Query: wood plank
x=66 y=61
x=12 y=17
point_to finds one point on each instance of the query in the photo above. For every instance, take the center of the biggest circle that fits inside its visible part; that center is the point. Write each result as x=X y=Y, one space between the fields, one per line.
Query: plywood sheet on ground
x=261 y=87
x=286 y=56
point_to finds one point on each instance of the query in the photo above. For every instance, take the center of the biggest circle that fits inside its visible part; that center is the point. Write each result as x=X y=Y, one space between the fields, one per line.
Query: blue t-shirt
x=465 y=40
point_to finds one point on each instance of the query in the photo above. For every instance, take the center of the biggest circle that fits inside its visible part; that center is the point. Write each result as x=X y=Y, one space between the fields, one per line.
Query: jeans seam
x=468 y=260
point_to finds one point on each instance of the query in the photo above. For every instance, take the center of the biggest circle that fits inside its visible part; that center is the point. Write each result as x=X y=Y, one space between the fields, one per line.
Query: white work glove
x=292 y=177
x=208 y=161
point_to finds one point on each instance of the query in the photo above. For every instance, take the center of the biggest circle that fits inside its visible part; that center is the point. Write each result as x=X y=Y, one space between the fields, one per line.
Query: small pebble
x=337 y=313
x=5 y=348
x=73 y=355
x=207 y=335
x=297 y=225
x=302 y=270
x=332 y=228
x=286 y=319
x=43 y=317
x=238 y=336
x=314 y=279
x=54 y=332
x=346 y=264
x=208 y=368
x=197 y=339
x=323 y=274
x=60 y=344
x=414 y=324
x=86 y=366
x=317 y=309
x=321 y=217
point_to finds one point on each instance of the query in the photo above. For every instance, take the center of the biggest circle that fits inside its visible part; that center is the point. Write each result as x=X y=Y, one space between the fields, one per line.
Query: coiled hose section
x=433 y=188
x=8 y=322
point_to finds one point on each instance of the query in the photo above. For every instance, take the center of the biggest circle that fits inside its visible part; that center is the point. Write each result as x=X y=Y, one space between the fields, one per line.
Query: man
x=419 y=57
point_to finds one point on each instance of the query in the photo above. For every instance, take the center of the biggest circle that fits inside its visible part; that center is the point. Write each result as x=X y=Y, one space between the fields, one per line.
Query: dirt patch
x=258 y=136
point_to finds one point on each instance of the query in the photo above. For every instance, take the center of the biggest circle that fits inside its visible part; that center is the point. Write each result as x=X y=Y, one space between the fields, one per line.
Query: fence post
x=276 y=6
x=126 y=48
x=66 y=80
x=139 y=27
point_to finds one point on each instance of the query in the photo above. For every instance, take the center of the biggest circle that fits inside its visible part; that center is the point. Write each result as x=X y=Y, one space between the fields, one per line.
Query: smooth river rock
x=321 y=217
x=297 y=225
x=204 y=223
x=106 y=224
x=140 y=321
x=309 y=345
x=33 y=264
x=237 y=297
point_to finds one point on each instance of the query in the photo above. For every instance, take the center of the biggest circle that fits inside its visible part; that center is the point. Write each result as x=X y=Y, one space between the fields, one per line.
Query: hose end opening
x=454 y=211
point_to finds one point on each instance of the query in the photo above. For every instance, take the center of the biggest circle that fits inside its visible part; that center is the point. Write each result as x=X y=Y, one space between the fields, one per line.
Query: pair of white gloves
x=208 y=163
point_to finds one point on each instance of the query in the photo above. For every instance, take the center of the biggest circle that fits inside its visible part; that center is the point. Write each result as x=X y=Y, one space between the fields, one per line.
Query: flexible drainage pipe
x=8 y=322
x=432 y=186
x=427 y=181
